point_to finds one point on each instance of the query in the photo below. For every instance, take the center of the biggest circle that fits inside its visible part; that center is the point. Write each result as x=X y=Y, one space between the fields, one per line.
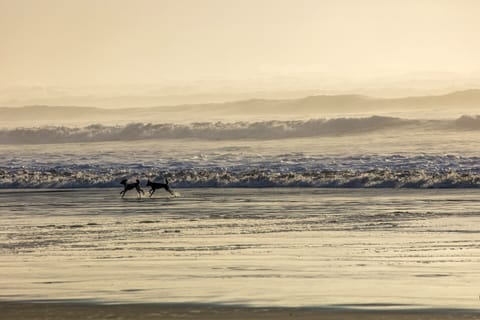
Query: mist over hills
x=319 y=106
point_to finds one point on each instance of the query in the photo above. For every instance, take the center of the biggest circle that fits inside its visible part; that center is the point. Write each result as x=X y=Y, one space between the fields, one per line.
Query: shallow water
x=375 y=248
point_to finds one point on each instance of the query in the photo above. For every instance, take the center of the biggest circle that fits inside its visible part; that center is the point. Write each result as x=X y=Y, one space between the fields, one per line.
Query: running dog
x=130 y=186
x=156 y=185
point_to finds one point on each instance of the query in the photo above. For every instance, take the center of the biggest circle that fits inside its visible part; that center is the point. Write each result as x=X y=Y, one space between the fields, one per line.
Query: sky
x=143 y=42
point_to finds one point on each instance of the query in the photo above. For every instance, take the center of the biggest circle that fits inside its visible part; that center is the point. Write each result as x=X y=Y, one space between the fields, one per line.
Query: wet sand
x=257 y=247
x=72 y=311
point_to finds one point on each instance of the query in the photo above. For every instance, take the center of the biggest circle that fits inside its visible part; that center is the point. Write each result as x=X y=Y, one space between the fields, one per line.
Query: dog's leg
x=169 y=190
x=138 y=192
x=152 y=191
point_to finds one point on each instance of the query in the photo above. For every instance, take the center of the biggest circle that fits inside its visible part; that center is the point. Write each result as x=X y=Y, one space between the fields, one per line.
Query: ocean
x=346 y=152
x=372 y=212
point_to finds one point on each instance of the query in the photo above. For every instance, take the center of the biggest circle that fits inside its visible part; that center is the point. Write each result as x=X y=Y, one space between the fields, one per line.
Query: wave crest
x=468 y=122
x=204 y=130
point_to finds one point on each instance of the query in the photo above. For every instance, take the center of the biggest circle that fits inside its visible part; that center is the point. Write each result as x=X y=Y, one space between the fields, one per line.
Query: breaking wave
x=220 y=177
x=220 y=130
x=467 y=123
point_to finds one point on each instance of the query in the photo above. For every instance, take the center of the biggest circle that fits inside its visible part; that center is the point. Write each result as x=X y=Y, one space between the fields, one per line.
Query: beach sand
x=85 y=254
x=53 y=311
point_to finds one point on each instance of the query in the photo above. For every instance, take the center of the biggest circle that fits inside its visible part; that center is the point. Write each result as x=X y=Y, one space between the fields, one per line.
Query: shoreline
x=52 y=310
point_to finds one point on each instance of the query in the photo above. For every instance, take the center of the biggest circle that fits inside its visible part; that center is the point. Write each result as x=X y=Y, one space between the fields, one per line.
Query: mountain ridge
x=316 y=105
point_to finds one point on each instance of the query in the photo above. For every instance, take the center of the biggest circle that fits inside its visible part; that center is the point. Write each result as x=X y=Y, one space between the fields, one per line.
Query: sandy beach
x=262 y=248
x=53 y=311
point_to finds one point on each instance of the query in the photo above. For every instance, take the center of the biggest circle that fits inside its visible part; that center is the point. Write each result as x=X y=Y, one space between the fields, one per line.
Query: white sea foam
x=286 y=170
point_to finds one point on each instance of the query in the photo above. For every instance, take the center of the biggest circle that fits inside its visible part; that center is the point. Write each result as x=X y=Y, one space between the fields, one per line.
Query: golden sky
x=109 y=42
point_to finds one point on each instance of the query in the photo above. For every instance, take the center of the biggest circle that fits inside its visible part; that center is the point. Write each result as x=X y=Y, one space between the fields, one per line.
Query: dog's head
x=124 y=181
x=149 y=183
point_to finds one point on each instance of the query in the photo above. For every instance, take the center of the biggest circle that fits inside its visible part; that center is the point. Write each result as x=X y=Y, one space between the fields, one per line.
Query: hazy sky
x=109 y=42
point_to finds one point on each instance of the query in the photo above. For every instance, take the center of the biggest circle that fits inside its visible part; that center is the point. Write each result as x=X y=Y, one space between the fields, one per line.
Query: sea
x=369 y=212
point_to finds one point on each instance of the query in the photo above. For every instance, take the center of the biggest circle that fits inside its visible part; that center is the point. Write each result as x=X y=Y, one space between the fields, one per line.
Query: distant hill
x=312 y=106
